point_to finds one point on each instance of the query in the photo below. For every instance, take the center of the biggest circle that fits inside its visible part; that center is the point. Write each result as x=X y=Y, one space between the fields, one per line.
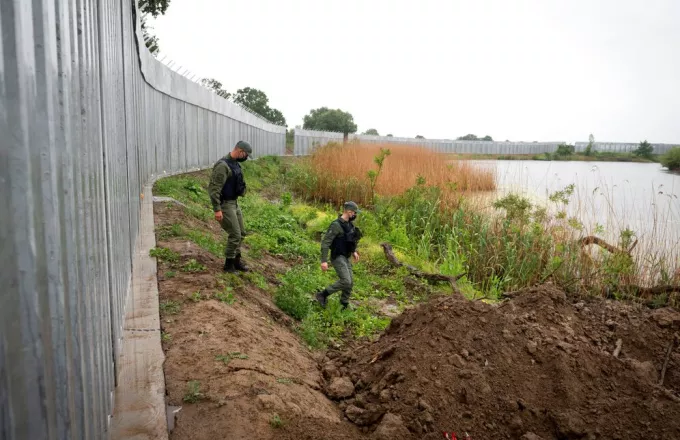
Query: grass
x=170 y=307
x=193 y=394
x=164 y=254
x=226 y=358
x=227 y=296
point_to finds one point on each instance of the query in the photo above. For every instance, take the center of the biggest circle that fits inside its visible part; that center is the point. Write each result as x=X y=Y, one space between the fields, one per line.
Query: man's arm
x=333 y=231
x=221 y=172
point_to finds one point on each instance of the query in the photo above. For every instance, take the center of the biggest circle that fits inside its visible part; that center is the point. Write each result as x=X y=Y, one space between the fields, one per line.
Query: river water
x=642 y=197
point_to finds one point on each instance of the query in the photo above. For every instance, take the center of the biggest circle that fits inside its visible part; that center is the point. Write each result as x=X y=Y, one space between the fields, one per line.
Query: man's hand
x=218 y=216
x=356 y=256
x=324 y=266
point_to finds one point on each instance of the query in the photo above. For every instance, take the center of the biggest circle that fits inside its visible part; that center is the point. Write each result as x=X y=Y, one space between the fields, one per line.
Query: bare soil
x=540 y=365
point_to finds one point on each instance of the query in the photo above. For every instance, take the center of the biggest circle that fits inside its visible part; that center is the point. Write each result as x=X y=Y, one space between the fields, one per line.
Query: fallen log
x=591 y=239
x=430 y=277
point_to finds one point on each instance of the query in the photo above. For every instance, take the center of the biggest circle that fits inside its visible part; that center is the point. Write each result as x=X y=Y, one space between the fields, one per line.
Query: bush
x=671 y=159
x=565 y=150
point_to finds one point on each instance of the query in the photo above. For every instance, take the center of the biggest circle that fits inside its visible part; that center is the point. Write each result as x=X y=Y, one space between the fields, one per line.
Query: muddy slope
x=536 y=366
x=253 y=371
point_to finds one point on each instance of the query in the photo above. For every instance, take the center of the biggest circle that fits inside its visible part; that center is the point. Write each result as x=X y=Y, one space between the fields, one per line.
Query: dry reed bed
x=343 y=169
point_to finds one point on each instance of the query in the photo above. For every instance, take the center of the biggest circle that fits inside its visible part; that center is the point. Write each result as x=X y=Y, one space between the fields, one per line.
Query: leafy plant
x=166 y=337
x=164 y=254
x=374 y=174
x=196 y=296
x=170 y=274
x=276 y=421
x=193 y=266
x=170 y=307
x=516 y=206
x=193 y=394
x=226 y=297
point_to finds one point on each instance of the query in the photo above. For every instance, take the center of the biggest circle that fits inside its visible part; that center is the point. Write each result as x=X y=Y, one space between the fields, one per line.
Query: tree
x=154 y=7
x=215 y=86
x=644 y=150
x=468 y=137
x=372 y=132
x=325 y=119
x=390 y=135
x=258 y=102
x=589 y=148
x=276 y=117
x=487 y=138
x=420 y=137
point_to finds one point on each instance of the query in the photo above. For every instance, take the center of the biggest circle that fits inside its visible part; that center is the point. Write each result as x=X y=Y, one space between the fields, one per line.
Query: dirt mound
x=536 y=366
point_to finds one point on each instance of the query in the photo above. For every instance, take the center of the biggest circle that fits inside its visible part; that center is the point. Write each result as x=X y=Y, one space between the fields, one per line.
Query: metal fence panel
x=87 y=116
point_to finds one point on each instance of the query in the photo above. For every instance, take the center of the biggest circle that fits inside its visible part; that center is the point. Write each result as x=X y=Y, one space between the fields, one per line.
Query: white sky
x=525 y=70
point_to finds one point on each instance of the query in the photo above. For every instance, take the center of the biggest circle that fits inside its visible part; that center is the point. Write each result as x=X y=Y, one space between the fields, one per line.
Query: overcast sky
x=519 y=70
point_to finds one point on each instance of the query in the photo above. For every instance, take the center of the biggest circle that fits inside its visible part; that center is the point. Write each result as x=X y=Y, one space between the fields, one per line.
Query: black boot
x=344 y=299
x=238 y=264
x=322 y=298
x=229 y=265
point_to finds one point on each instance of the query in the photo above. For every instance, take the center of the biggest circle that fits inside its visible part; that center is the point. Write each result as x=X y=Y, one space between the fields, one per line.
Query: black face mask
x=352 y=217
x=242 y=159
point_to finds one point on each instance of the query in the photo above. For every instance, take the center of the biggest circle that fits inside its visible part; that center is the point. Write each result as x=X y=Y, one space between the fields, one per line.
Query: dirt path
x=539 y=366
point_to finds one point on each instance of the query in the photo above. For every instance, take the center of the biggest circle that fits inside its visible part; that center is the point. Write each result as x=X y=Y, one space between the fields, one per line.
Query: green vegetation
x=193 y=266
x=671 y=159
x=326 y=119
x=226 y=358
x=164 y=254
x=515 y=245
x=170 y=307
x=644 y=150
x=276 y=421
x=193 y=394
x=166 y=337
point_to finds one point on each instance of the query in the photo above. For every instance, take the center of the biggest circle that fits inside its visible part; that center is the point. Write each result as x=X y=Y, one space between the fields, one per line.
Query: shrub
x=671 y=159
x=565 y=150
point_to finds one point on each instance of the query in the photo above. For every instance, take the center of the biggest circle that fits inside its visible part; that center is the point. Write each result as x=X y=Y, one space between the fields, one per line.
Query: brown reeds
x=342 y=170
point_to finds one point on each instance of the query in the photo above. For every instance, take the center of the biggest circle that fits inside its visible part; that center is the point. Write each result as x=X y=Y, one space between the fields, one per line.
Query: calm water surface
x=642 y=197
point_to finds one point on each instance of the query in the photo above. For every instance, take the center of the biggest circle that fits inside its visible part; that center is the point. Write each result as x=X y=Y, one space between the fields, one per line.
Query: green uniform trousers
x=343 y=267
x=232 y=223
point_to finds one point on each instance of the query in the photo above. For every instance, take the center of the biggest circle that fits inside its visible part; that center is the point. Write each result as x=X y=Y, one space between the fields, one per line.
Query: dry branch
x=591 y=239
x=430 y=277
x=674 y=341
x=617 y=350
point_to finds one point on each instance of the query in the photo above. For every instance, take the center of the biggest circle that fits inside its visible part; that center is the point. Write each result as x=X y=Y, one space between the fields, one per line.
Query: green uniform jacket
x=220 y=173
x=333 y=231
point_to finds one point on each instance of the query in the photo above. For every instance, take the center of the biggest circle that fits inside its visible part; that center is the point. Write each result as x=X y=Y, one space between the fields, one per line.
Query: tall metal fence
x=618 y=147
x=87 y=116
x=307 y=140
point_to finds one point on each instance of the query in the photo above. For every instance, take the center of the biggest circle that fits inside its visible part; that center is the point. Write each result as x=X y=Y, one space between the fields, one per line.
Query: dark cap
x=245 y=146
x=351 y=206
